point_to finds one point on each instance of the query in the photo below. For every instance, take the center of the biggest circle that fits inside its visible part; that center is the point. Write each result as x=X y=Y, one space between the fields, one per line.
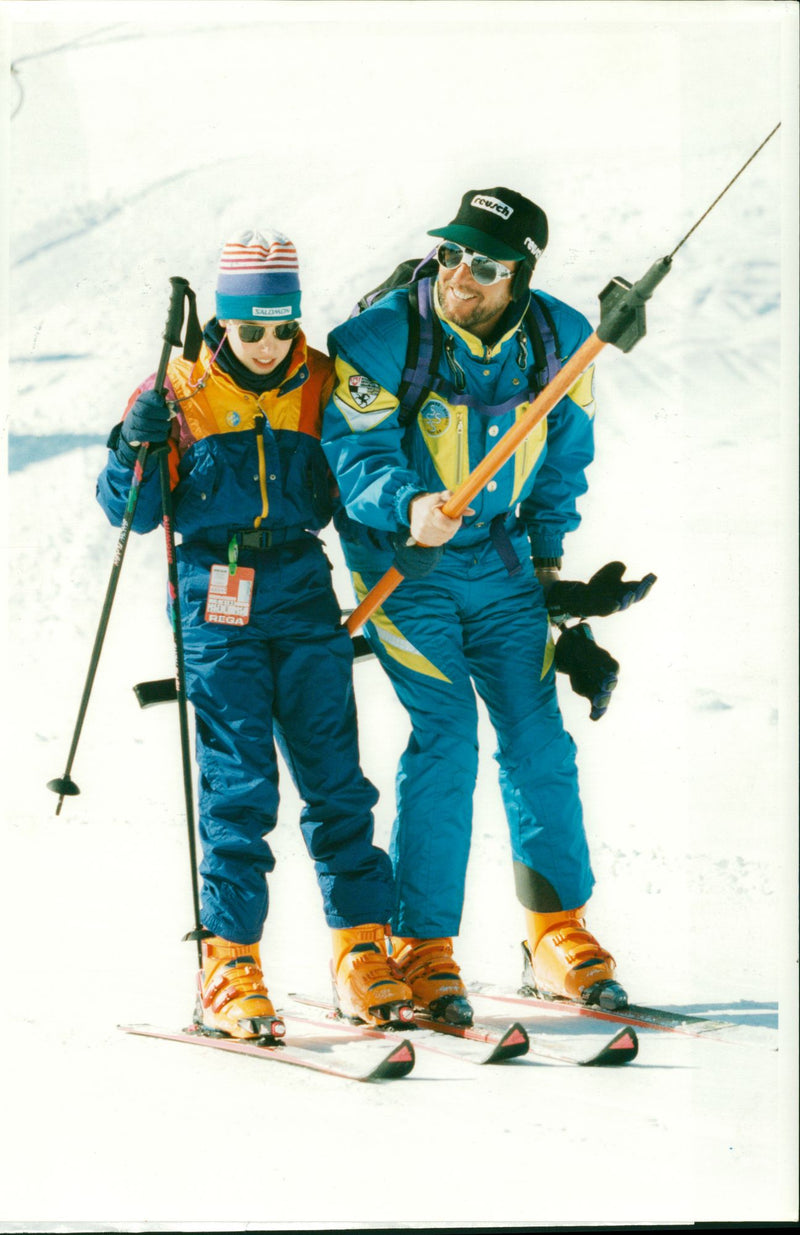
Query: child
x=266 y=657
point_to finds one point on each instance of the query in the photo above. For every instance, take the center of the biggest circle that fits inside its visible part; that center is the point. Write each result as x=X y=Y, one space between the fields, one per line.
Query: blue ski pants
x=472 y=626
x=285 y=678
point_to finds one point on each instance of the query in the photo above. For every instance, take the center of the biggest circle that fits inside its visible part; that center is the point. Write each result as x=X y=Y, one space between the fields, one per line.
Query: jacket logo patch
x=435 y=419
x=362 y=390
x=232 y=419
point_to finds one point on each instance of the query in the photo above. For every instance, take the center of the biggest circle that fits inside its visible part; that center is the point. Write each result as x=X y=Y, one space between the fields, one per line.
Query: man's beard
x=470 y=315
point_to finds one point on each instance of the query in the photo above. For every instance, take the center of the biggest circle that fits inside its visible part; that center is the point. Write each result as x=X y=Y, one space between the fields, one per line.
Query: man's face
x=261 y=357
x=473 y=306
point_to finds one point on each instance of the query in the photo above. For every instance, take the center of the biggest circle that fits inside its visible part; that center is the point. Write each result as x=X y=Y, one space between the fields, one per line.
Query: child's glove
x=147 y=421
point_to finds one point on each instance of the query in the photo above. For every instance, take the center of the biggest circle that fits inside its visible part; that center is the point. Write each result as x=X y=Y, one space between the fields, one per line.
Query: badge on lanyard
x=230 y=594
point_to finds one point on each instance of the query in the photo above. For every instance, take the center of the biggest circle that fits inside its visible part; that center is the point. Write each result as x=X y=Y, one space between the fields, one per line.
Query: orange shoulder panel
x=316 y=392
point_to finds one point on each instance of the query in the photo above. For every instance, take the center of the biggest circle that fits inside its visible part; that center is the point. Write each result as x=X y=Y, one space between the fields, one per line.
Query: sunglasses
x=484 y=270
x=249 y=332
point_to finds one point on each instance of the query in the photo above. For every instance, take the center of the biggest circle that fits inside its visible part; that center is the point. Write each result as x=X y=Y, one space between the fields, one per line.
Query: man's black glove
x=413 y=561
x=605 y=593
x=592 y=671
x=147 y=421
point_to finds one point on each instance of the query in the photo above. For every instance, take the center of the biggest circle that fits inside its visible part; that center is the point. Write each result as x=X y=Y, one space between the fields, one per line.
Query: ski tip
x=622 y=1048
x=398 y=1063
x=516 y=1035
x=514 y=1042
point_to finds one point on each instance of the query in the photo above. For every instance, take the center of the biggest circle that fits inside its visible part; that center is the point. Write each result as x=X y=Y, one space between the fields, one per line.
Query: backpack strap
x=423 y=351
x=542 y=331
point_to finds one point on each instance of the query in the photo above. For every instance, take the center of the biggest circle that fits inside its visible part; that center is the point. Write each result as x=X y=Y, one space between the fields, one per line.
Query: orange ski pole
x=622 y=322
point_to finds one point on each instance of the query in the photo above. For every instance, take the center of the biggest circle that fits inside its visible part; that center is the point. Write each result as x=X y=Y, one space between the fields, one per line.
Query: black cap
x=498 y=223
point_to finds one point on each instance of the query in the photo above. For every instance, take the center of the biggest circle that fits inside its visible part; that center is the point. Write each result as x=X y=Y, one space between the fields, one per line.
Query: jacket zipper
x=526 y=446
x=461 y=450
x=260 y=421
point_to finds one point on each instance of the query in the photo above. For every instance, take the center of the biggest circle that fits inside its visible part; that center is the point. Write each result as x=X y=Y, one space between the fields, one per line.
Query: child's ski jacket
x=238 y=460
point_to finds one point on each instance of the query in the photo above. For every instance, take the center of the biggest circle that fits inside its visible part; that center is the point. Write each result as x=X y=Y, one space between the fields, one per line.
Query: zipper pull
x=455 y=367
x=522 y=354
x=233 y=556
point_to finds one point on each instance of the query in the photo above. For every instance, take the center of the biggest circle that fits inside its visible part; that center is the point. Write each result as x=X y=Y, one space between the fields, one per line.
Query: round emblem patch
x=232 y=419
x=435 y=419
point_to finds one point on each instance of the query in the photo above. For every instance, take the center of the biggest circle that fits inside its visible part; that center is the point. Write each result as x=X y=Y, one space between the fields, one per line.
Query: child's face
x=261 y=357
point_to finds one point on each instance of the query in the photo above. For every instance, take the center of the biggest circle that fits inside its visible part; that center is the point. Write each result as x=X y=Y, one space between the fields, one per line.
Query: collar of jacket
x=207 y=367
x=477 y=347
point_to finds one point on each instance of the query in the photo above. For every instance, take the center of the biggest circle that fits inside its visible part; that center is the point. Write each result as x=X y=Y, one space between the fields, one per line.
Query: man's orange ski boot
x=366 y=986
x=429 y=968
x=233 y=1001
x=563 y=960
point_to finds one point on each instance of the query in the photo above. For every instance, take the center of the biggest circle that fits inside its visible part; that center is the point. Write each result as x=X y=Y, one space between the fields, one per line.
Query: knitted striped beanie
x=258 y=278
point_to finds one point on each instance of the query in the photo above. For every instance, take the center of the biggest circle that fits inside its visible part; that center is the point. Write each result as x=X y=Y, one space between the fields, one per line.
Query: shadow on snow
x=27 y=448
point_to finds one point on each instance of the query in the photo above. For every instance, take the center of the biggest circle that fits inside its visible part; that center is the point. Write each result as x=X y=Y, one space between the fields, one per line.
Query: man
x=478 y=620
x=260 y=624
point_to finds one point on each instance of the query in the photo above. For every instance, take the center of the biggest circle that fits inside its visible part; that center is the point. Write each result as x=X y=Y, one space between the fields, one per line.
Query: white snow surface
x=141 y=136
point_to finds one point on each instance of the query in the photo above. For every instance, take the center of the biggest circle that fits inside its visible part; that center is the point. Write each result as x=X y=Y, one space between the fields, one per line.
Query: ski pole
x=180 y=689
x=64 y=785
x=622 y=323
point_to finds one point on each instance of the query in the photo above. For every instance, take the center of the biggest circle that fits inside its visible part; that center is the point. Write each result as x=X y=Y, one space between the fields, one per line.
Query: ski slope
x=141 y=136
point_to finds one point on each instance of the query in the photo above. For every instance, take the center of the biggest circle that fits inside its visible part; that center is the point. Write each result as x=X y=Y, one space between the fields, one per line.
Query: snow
x=140 y=136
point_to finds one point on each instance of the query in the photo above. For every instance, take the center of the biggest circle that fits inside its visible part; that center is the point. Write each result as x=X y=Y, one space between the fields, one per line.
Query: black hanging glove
x=592 y=671
x=147 y=421
x=412 y=560
x=605 y=593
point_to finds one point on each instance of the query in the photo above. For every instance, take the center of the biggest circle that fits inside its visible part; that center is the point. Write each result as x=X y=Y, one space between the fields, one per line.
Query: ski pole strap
x=173 y=328
x=193 y=337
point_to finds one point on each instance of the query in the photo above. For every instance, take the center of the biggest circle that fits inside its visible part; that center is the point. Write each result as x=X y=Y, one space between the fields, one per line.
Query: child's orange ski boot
x=429 y=968
x=233 y=1001
x=366 y=985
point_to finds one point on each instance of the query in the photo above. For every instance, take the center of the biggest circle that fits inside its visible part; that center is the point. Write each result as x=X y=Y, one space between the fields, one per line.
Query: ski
x=327 y=1054
x=621 y=1048
x=634 y=1015
x=504 y=1043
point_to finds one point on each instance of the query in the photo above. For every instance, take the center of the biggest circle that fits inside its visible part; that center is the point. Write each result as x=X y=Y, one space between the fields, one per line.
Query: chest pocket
x=219 y=483
x=441 y=437
x=528 y=453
